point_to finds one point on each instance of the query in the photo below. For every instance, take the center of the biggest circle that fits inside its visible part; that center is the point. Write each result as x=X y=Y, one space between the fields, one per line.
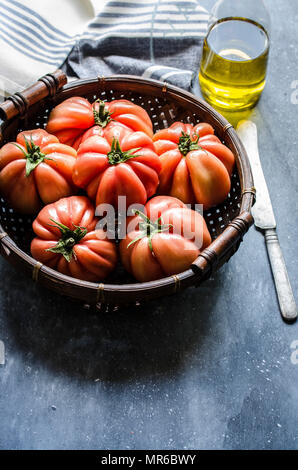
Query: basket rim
x=246 y=181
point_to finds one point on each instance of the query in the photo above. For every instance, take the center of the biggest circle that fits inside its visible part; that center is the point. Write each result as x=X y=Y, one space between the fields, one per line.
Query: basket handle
x=18 y=104
x=222 y=249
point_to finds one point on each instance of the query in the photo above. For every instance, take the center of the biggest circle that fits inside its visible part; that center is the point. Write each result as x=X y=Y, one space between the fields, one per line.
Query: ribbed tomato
x=122 y=163
x=74 y=116
x=196 y=166
x=67 y=240
x=164 y=240
x=36 y=170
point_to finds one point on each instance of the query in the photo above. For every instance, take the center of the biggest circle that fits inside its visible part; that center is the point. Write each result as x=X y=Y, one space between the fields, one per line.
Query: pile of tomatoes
x=92 y=154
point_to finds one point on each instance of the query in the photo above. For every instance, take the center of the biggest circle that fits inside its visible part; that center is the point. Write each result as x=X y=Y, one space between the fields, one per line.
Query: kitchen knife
x=264 y=219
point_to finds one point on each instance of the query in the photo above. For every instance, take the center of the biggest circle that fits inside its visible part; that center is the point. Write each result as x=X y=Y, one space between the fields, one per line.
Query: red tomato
x=66 y=240
x=36 y=170
x=196 y=166
x=165 y=241
x=122 y=163
x=74 y=116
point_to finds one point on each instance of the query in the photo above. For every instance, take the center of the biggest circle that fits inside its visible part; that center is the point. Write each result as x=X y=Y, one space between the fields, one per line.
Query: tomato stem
x=69 y=238
x=148 y=228
x=33 y=155
x=102 y=116
x=116 y=155
x=186 y=144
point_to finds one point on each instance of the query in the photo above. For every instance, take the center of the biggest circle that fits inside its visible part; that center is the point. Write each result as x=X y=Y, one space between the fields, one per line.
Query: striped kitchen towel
x=36 y=36
x=152 y=38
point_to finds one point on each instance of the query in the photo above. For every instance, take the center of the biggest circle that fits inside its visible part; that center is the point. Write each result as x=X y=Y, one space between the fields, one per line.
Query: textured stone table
x=210 y=368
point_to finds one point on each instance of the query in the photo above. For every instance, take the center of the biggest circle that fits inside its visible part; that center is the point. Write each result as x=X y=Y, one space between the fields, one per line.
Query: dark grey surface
x=209 y=368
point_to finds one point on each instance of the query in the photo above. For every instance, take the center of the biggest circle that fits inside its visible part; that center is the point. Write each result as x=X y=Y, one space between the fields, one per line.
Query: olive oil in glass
x=234 y=62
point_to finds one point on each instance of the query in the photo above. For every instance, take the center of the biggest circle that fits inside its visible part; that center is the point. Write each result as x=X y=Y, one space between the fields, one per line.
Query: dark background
x=208 y=368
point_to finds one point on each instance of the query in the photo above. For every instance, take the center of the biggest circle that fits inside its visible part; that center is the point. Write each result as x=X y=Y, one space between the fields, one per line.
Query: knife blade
x=263 y=214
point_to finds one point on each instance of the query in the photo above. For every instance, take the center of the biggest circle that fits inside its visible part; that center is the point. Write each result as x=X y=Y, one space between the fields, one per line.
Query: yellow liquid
x=234 y=62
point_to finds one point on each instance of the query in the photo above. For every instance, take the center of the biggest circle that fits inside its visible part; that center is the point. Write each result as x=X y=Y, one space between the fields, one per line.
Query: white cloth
x=37 y=35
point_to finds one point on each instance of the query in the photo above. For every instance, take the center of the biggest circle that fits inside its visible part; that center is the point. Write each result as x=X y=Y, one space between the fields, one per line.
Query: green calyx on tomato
x=69 y=238
x=148 y=228
x=33 y=155
x=116 y=156
x=102 y=117
x=186 y=144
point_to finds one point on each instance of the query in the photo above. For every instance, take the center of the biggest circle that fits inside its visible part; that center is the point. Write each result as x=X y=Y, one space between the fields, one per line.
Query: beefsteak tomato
x=164 y=240
x=196 y=166
x=36 y=170
x=122 y=163
x=74 y=116
x=67 y=240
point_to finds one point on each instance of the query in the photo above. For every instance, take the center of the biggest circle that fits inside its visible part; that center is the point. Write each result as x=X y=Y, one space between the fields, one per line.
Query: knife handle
x=282 y=283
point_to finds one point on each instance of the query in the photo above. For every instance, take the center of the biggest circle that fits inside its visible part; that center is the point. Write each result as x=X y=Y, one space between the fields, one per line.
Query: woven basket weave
x=165 y=104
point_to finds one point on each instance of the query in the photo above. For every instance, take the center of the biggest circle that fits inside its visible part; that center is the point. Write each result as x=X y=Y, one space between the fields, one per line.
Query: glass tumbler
x=235 y=54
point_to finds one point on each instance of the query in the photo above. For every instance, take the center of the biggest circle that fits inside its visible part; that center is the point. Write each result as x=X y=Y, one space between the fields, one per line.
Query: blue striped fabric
x=32 y=35
x=142 y=37
x=35 y=19
x=183 y=18
x=159 y=39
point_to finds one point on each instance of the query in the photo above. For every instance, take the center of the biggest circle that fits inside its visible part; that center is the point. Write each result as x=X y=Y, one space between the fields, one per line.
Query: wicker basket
x=165 y=104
